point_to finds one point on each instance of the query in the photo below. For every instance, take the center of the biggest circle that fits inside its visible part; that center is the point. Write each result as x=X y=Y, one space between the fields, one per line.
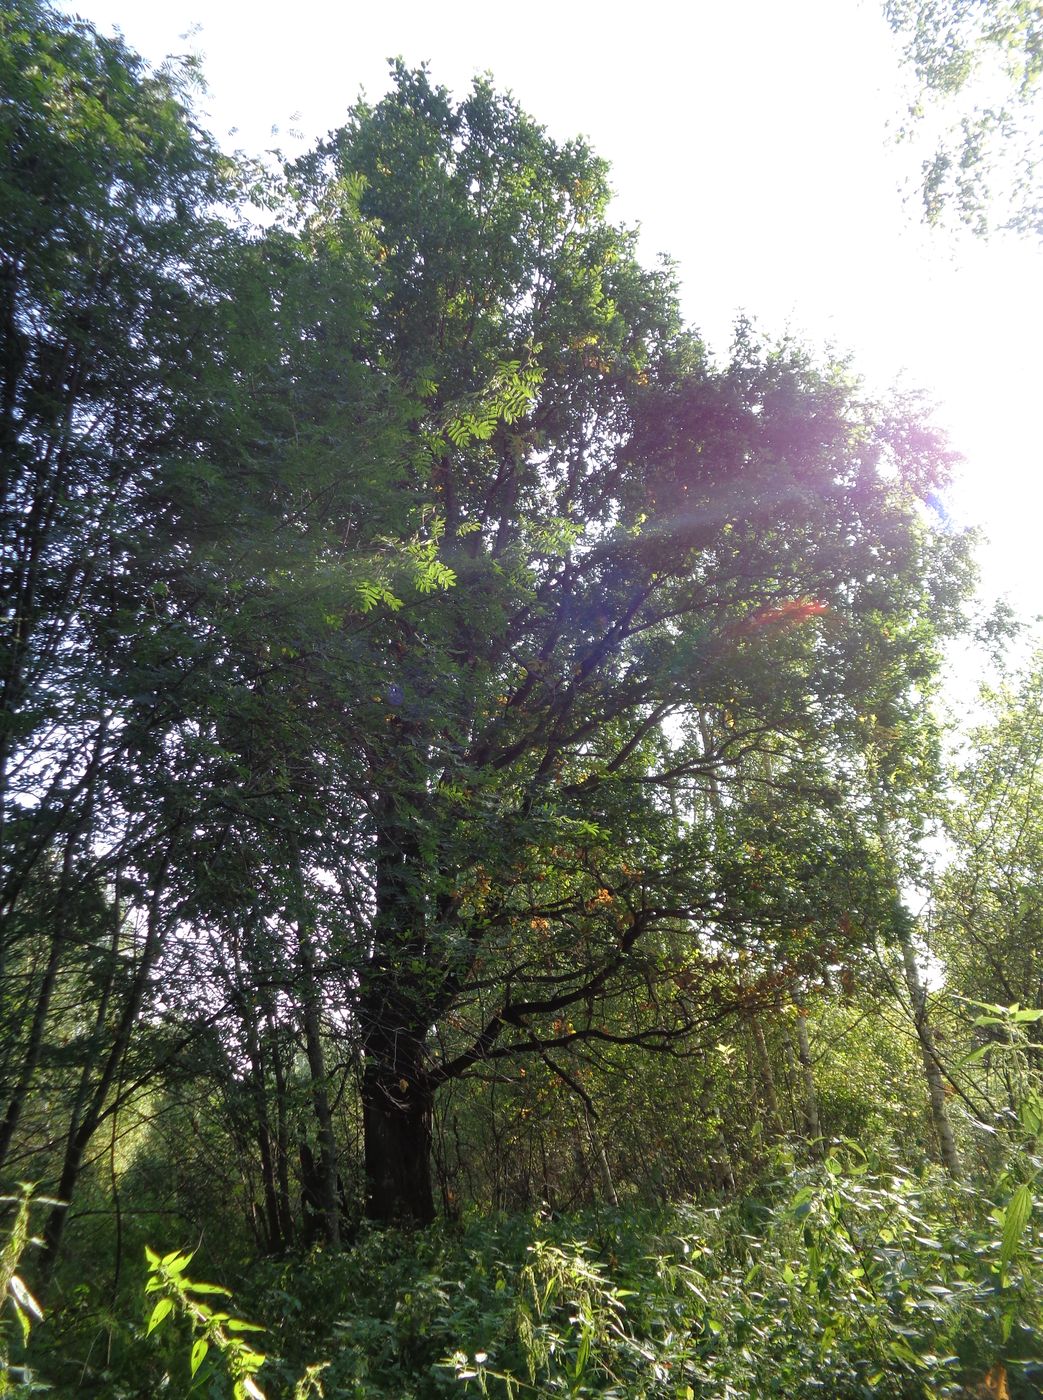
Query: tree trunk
x=82 y=1130
x=771 y=1098
x=34 y=1046
x=790 y=1053
x=61 y=937
x=398 y=1005
x=932 y=1071
x=597 y=1146
x=807 y=1071
x=329 y=1202
x=719 y=1168
x=282 y=1135
x=274 y=1242
x=396 y=1116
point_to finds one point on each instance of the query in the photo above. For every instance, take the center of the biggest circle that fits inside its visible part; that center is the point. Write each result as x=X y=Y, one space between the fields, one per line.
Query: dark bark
x=282 y=1136
x=396 y=1113
x=274 y=1242
x=400 y=1002
x=273 y=1237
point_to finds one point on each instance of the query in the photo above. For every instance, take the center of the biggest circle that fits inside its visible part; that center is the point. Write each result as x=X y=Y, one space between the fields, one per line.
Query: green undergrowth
x=836 y=1280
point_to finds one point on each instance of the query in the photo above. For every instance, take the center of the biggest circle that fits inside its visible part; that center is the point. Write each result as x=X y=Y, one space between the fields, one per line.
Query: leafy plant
x=212 y=1328
x=14 y=1294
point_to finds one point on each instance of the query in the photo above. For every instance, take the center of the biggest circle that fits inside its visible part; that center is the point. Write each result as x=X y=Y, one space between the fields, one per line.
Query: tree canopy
x=988 y=912
x=978 y=64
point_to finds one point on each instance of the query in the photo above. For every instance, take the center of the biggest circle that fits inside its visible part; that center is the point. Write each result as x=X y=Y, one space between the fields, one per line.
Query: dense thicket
x=459 y=740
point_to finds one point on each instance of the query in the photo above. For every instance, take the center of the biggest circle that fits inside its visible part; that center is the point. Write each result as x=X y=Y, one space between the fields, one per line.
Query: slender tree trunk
x=597 y=1146
x=243 y=995
x=767 y=1078
x=60 y=938
x=789 y=1051
x=274 y=1241
x=282 y=1137
x=329 y=1202
x=34 y=1045
x=722 y=1172
x=95 y=1045
x=80 y=1132
x=932 y=1071
x=811 y=1116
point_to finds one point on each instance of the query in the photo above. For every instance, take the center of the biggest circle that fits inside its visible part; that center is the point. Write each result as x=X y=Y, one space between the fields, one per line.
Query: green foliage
x=214 y=1332
x=987 y=920
x=891 y=1280
x=390 y=623
x=433 y=685
x=114 y=321
x=978 y=64
x=888 y=1282
x=15 y=1296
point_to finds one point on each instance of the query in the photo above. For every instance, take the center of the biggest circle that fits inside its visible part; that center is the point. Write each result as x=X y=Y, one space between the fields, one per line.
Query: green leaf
x=199 y=1351
x=23 y=1322
x=159 y=1313
x=1030 y=1113
x=1015 y=1218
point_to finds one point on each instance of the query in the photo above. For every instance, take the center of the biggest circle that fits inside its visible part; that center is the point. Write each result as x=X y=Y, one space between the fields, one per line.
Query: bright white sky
x=752 y=142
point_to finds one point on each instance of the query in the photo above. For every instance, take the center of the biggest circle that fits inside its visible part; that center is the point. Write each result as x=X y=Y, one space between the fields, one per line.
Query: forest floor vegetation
x=846 y=1278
